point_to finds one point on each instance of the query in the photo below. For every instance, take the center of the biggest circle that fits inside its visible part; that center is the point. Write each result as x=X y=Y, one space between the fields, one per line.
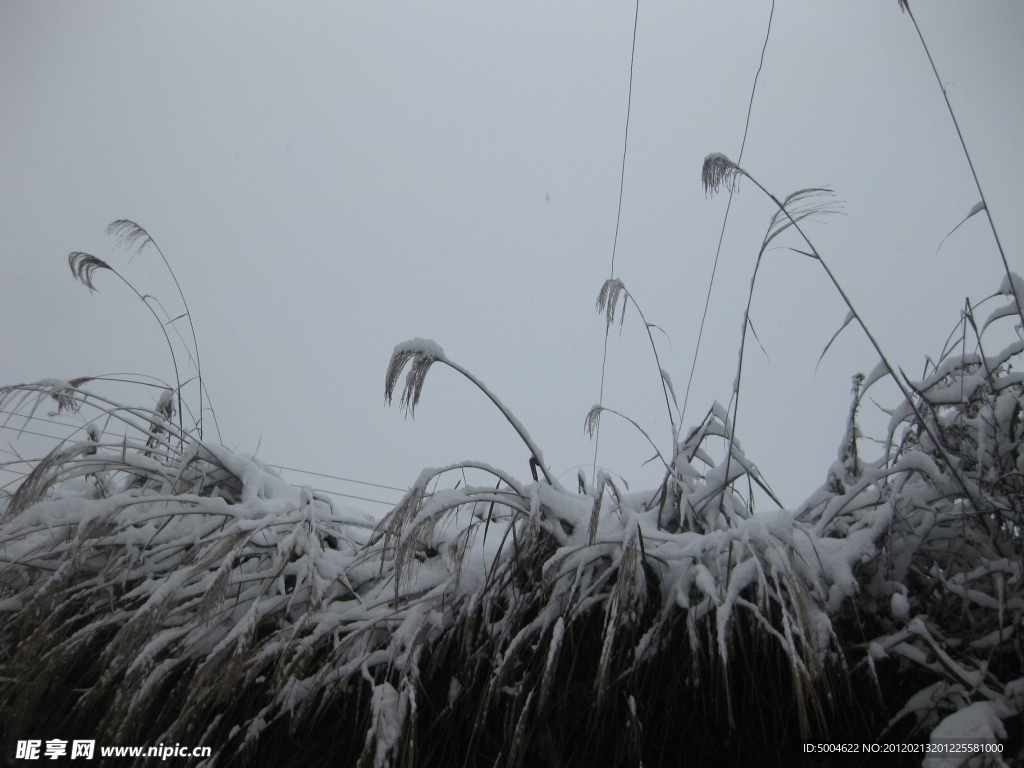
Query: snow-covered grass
x=158 y=587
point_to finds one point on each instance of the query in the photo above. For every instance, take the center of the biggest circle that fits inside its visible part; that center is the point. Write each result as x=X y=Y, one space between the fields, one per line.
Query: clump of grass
x=944 y=594
x=160 y=588
x=947 y=487
x=191 y=595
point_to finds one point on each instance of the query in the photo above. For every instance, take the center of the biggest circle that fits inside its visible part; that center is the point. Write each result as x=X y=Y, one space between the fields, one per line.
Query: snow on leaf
x=899 y=606
x=668 y=382
x=1012 y=285
x=418 y=346
x=976 y=208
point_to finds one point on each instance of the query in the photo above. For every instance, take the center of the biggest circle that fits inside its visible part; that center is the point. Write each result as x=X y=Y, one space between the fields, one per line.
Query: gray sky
x=330 y=179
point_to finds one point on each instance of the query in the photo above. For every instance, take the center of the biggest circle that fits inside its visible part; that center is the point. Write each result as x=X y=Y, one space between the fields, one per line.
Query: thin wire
x=625 y=137
x=279 y=466
x=38 y=434
x=725 y=221
x=345 y=479
x=5 y=464
x=618 y=221
x=349 y=496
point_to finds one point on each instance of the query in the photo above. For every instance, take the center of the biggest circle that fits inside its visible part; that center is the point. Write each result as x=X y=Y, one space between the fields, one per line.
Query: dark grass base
x=674 y=710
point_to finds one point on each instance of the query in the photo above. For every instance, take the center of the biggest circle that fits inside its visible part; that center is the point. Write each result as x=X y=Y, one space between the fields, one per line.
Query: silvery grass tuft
x=719 y=172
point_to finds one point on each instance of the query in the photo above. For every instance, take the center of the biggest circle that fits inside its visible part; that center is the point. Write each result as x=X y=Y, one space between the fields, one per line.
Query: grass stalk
x=83 y=265
x=422 y=354
x=905 y=6
x=132 y=235
x=607 y=303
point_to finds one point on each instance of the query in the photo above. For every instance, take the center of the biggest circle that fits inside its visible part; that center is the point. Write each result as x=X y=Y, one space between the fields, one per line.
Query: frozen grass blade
x=976 y=208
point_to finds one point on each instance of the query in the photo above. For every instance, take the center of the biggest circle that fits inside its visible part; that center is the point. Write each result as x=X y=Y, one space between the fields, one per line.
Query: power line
x=38 y=434
x=336 y=477
x=278 y=466
x=349 y=496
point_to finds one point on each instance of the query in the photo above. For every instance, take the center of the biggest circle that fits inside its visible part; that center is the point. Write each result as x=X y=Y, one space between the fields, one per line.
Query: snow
x=978 y=724
x=1012 y=284
x=899 y=605
x=417 y=346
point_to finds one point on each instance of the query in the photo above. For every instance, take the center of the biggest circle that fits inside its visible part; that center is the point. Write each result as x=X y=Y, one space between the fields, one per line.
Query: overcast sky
x=330 y=179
